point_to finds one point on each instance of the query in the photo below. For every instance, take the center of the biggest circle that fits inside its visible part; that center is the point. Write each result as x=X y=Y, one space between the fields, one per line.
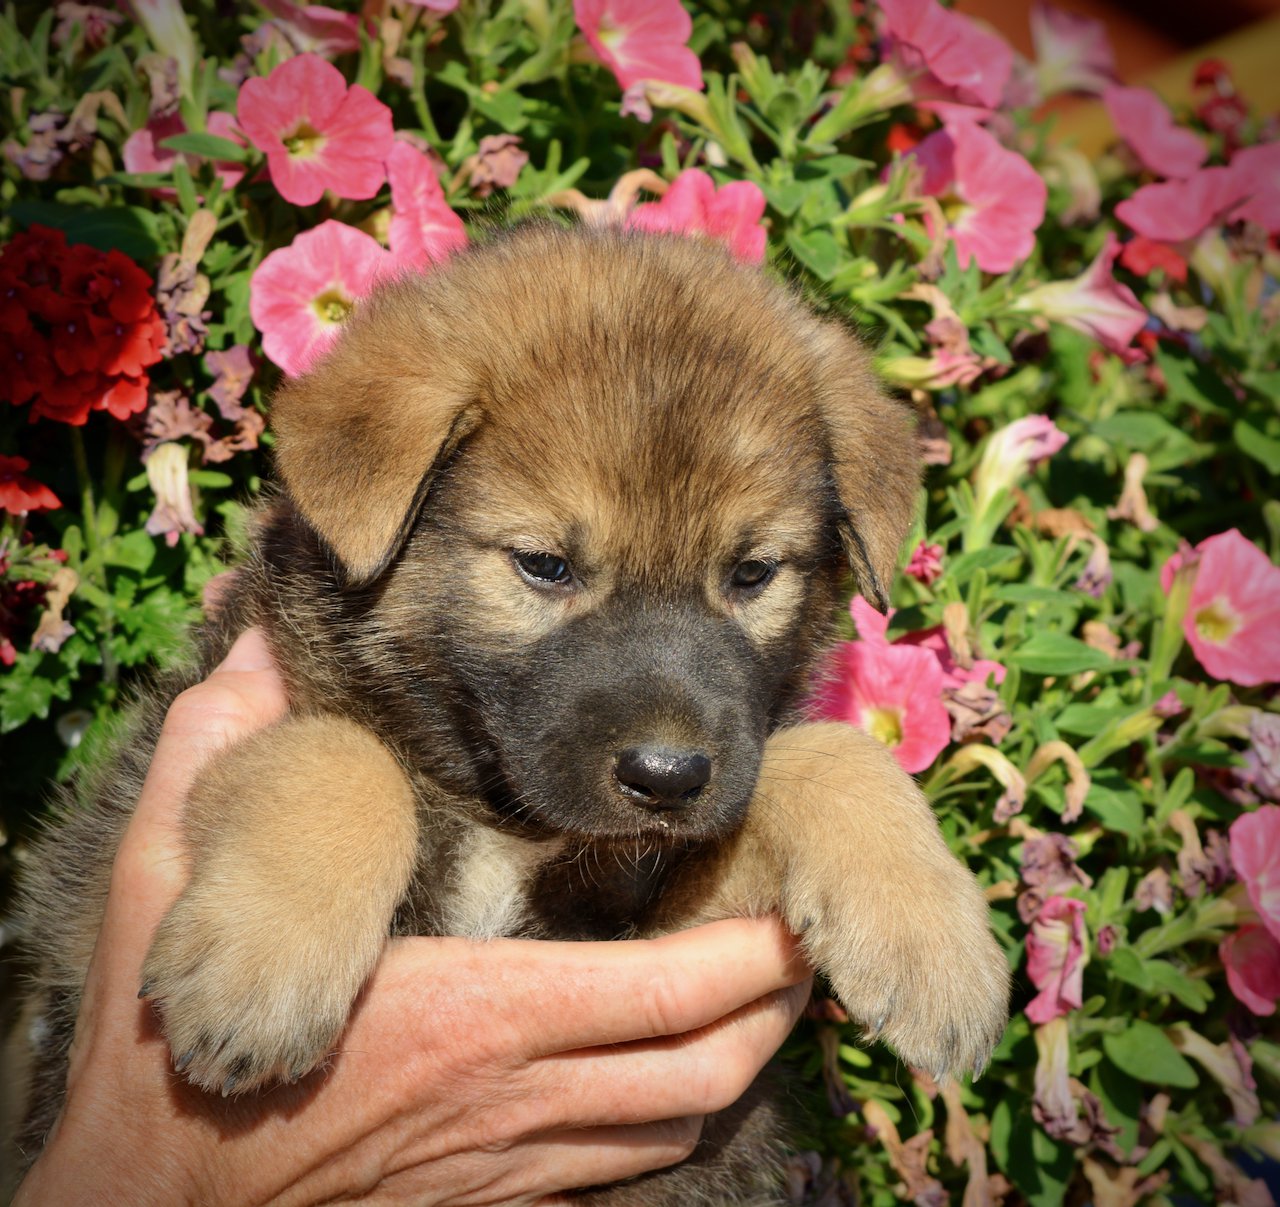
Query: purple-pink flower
x=424 y=230
x=641 y=40
x=1013 y=452
x=1057 y=952
x=693 y=205
x=316 y=132
x=300 y=294
x=957 y=60
x=1257 y=174
x=1143 y=120
x=996 y=198
x=925 y=565
x=142 y=151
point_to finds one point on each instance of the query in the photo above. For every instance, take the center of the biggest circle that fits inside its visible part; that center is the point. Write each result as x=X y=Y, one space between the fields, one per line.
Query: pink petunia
x=893 y=691
x=1094 y=302
x=1073 y=53
x=316 y=27
x=693 y=205
x=968 y=64
x=1176 y=210
x=1144 y=122
x=1255 y=855
x=424 y=230
x=1251 y=957
x=1256 y=171
x=1232 y=619
x=1013 y=452
x=316 y=132
x=641 y=40
x=142 y=151
x=1057 y=952
x=300 y=294
x=925 y=565
x=1000 y=196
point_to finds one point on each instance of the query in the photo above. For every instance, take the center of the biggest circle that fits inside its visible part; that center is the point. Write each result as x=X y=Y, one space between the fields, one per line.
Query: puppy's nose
x=662 y=777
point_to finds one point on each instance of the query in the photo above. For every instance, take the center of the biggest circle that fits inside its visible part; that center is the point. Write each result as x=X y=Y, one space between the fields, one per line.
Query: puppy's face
x=619 y=537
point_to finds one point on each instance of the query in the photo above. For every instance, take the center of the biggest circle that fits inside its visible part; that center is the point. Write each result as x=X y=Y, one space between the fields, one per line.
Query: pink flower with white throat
x=301 y=294
x=424 y=230
x=316 y=132
x=953 y=59
x=1057 y=952
x=692 y=205
x=1073 y=53
x=1094 y=302
x=996 y=198
x=1013 y=452
x=1255 y=855
x=1143 y=120
x=641 y=40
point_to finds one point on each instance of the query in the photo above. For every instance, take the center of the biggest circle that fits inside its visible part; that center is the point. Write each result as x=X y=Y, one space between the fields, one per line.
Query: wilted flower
x=925 y=565
x=317 y=133
x=1261 y=773
x=968 y=65
x=1094 y=302
x=1143 y=120
x=95 y=23
x=998 y=198
x=497 y=163
x=20 y=494
x=1057 y=952
x=1202 y=868
x=1233 y=610
x=1048 y=867
x=1073 y=53
x=692 y=205
x=1154 y=891
x=1228 y=1064
x=300 y=294
x=424 y=230
x=1251 y=958
x=168 y=31
x=232 y=371
x=641 y=40
x=174 y=513
x=1012 y=452
x=315 y=27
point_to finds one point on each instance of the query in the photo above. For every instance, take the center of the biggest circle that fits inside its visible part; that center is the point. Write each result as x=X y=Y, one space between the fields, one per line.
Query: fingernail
x=249 y=653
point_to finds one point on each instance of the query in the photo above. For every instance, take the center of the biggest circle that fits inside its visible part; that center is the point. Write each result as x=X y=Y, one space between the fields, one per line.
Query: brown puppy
x=562 y=532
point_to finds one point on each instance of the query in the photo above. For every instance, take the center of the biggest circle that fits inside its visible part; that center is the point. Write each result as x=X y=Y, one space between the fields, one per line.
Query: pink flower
x=316 y=27
x=317 y=133
x=1175 y=210
x=1255 y=855
x=1257 y=174
x=1001 y=196
x=971 y=65
x=693 y=205
x=641 y=40
x=1233 y=615
x=436 y=6
x=1013 y=452
x=300 y=294
x=424 y=230
x=1073 y=53
x=925 y=565
x=1144 y=122
x=1251 y=957
x=142 y=151
x=1094 y=302
x=1057 y=952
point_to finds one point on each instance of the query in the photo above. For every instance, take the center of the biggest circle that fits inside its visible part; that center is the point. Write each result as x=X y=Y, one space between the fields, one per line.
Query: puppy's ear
x=361 y=436
x=874 y=462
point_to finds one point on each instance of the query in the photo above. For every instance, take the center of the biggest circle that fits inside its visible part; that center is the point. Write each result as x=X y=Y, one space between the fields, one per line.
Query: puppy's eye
x=541 y=568
x=752 y=574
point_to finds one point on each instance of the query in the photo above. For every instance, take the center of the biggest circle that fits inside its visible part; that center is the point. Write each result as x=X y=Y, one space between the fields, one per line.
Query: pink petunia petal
x=1144 y=122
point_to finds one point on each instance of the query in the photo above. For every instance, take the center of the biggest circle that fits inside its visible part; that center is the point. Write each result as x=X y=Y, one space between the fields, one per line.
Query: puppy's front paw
x=915 y=963
x=250 y=992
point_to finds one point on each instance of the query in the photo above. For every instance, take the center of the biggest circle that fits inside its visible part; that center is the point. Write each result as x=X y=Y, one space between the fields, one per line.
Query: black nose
x=661 y=777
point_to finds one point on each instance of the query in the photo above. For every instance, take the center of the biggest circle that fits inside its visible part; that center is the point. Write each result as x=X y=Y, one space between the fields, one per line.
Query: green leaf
x=1126 y=965
x=1036 y=1164
x=126 y=228
x=786 y=196
x=817 y=250
x=1121 y=1100
x=1058 y=654
x=1118 y=811
x=1141 y=431
x=1257 y=445
x=1147 y=1053
x=1087 y=720
x=207 y=146
x=1192 y=993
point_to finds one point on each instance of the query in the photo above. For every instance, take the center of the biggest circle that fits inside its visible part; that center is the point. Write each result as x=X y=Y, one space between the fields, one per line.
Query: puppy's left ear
x=875 y=463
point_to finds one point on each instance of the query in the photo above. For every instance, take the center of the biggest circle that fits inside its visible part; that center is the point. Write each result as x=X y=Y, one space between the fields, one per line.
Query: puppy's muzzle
x=662 y=777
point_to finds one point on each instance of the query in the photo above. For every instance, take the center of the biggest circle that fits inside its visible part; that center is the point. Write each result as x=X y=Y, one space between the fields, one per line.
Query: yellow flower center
x=610 y=35
x=885 y=725
x=304 y=141
x=1217 y=622
x=333 y=306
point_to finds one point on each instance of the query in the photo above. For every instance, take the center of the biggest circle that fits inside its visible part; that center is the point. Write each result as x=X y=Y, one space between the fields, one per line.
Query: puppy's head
x=602 y=488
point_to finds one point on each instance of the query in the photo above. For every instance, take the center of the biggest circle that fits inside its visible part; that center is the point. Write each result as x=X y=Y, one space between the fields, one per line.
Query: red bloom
x=20 y=494
x=1142 y=256
x=78 y=328
x=317 y=133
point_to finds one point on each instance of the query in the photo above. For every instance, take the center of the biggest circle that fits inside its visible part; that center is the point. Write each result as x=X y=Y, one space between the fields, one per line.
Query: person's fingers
x=638 y=989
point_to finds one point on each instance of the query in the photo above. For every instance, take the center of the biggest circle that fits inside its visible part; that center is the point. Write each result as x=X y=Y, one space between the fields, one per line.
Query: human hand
x=471 y=1073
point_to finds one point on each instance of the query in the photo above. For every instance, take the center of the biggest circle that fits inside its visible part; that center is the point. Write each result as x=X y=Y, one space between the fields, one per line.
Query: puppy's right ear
x=361 y=436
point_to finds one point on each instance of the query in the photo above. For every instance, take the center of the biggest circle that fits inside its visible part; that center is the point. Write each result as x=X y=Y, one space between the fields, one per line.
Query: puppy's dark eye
x=542 y=567
x=752 y=574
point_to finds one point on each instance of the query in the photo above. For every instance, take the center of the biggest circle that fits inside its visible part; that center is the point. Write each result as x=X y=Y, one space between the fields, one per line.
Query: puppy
x=561 y=534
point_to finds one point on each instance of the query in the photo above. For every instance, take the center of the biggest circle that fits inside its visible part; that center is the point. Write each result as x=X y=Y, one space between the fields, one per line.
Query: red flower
x=641 y=40
x=20 y=494
x=78 y=328
x=1142 y=256
x=317 y=133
